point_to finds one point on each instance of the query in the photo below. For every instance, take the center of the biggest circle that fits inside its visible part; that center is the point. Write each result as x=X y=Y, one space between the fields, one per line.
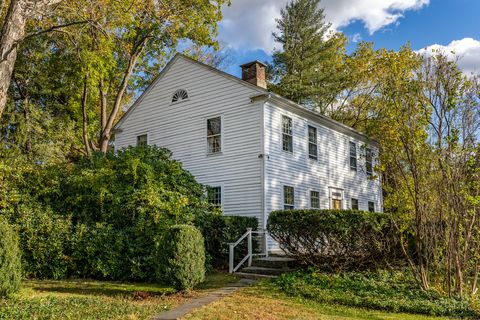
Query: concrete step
x=254 y=276
x=278 y=262
x=265 y=270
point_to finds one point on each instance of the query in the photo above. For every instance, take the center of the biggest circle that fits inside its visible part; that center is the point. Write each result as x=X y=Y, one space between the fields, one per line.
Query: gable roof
x=165 y=70
x=333 y=124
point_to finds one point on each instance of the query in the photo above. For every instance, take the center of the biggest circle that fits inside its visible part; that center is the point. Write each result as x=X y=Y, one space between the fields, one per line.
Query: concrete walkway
x=196 y=303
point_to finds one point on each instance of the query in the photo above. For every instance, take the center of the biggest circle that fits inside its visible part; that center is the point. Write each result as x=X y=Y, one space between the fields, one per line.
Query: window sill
x=215 y=154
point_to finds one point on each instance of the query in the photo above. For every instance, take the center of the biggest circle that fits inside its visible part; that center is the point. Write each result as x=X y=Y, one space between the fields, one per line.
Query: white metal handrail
x=248 y=235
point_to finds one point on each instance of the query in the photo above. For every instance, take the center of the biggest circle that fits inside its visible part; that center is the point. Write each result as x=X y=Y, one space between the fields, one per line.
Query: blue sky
x=448 y=25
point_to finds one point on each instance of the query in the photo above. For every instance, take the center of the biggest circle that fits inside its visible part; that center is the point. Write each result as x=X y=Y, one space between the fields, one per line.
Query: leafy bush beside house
x=10 y=265
x=181 y=257
x=334 y=239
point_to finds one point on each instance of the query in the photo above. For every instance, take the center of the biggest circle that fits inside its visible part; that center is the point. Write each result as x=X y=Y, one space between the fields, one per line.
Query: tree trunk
x=13 y=31
x=86 y=141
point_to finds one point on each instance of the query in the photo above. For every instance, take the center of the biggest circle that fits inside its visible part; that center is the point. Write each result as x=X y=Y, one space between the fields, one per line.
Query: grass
x=79 y=299
x=266 y=301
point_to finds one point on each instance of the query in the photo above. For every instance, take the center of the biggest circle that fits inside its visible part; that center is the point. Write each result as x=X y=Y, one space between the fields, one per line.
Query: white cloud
x=467 y=50
x=248 y=24
x=356 y=38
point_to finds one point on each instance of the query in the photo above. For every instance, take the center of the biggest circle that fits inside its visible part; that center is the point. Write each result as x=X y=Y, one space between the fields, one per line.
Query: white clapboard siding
x=181 y=128
x=332 y=169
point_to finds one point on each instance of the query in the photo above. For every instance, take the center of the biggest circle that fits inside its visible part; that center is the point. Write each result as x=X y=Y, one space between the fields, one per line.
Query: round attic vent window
x=179 y=95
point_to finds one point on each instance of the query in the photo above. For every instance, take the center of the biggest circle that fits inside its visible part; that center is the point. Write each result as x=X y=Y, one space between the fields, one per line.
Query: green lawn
x=78 y=299
x=264 y=301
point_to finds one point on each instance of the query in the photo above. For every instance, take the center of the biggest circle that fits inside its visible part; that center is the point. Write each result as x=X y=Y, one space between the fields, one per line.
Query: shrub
x=10 y=266
x=181 y=255
x=98 y=252
x=45 y=242
x=339 y=239
x=219 y=230
x=394 y=291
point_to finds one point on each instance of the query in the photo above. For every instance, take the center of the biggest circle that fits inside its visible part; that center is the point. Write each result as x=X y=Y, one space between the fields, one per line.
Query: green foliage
x=381 y=290
x=45 y=242
x=99 y=217
x=98 y=252
x=181 y=257
x=339 y=239
x=219 y=230
x=309 y=69
x=10 y=260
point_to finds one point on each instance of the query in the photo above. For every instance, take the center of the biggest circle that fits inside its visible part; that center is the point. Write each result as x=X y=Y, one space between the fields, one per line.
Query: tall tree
x=126 y=46
x=308 y=68
x=13 y=32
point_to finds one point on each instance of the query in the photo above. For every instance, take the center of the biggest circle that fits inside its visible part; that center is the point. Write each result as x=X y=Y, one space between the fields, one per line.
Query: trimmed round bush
x=181 y=257
x=10 y=265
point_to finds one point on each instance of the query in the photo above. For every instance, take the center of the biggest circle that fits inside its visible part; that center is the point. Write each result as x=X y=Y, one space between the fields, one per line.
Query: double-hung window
x=354 y=204
x=315 y=199
x=214 y=195
x=369 y=161
x=312 y=143
x=371 y=206
x=287 y=134
x=214 y=135
x=288 y=198
x=142 y=140
x=353 y=156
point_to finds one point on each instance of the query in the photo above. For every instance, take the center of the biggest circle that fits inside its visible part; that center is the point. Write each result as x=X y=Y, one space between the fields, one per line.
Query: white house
x=258 y=151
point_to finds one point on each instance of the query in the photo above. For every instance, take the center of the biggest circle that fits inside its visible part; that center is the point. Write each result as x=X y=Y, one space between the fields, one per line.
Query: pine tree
x=309 y=68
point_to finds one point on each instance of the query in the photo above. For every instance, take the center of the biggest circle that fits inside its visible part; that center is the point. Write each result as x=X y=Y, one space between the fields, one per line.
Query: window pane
x=369 y=162
x=288 y=197
x=214 y=144
x=314 y=199
x=354 y=204
x=142 y=140
x=312 y=151
x=215 y=195
x=371 y=206
x=287 y=125
x=353 y=156
x=312 y=134
x=287 y=143
x=214 y=126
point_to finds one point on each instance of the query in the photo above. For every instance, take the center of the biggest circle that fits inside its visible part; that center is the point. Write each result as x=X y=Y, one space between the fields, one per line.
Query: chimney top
x=255 y=73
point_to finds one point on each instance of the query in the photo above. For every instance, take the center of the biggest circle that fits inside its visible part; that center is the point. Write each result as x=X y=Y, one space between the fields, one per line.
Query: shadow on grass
x=119 y=289
x=100 y=288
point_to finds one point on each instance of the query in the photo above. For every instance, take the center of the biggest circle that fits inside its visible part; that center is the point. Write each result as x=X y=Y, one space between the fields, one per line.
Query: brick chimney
x=255 y=73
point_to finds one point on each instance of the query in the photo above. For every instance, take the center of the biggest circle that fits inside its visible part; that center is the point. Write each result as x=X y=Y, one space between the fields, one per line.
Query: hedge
x=334 y=239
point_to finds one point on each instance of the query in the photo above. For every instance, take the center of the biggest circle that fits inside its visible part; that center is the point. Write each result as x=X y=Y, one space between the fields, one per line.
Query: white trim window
x=353 y=156
x=314 y=199
x=312 y=143
x=336 y=199
x=371 y=206
x=369 y=161
x=142 y=140
x=354 y=204
x=214 y=135
x=287 y=134
x=214 y=195
x=288 y=198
